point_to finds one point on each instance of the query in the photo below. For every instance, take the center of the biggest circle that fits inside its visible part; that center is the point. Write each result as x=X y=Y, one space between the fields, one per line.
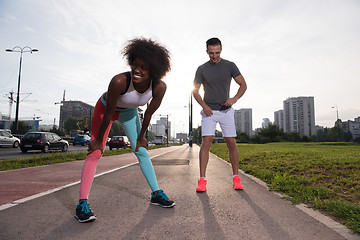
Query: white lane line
x=38 y=195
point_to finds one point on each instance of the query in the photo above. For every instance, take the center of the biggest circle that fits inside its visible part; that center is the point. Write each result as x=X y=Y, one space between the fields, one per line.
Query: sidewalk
x=26 y=182
x=43 y=200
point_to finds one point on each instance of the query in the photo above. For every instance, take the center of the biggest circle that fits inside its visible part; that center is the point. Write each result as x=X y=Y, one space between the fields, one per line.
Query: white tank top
x=134 y=99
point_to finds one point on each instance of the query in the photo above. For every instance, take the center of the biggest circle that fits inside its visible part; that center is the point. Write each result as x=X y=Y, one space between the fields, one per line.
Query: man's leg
x=233 y=154
x=234 y=160
x=204 y=154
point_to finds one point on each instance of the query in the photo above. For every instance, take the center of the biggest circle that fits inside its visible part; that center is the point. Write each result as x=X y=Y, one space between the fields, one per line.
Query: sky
x=282 y=48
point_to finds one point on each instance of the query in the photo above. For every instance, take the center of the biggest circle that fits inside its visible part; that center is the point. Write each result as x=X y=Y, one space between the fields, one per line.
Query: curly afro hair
x=152 y=53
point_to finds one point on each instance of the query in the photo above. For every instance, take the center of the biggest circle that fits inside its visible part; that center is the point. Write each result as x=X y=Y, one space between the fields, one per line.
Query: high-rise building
x=165 y=121
x=243 y=120
x=265 y=123
x=279 y=119
x=160 y=127
x=75 y=109
x=353 y=127
x=299 y=115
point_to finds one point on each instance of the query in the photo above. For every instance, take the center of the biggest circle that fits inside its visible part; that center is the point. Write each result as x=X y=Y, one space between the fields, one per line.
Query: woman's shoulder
x=122 y=76
x=120 y=82
x=159 y=87
x=160 y=84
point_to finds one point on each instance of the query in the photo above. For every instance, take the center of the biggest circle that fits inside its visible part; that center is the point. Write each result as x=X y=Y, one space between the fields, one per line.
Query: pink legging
x=130 y=121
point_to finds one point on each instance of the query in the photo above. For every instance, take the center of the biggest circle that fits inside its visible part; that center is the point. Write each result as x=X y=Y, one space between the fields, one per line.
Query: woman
x=149 y=63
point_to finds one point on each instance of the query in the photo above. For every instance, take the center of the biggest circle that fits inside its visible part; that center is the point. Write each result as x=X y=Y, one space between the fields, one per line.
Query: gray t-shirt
x=216 y=79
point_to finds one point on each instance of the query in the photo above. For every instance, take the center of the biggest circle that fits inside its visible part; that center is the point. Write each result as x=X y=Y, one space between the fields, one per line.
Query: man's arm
x=241 y=81
x=207 y=110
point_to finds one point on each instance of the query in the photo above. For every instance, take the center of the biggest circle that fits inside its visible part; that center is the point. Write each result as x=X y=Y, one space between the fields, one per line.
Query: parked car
x=119 y=142
x=81 y=140
x=8 y=140
x=44 y=141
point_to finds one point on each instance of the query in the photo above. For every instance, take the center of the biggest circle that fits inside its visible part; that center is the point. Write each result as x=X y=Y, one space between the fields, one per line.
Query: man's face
x=214 y=53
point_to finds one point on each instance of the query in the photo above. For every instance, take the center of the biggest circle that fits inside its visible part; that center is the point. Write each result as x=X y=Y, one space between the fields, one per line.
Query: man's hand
x=142 y=142
x=207 y=110
x=95 y=145
x=230 y=102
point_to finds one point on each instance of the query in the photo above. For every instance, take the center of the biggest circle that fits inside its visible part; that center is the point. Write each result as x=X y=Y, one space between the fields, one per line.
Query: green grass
x=46 y=159
x=325 y=176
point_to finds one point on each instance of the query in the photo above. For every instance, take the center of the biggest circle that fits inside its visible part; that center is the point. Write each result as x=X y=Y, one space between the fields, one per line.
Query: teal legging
x=129 y=118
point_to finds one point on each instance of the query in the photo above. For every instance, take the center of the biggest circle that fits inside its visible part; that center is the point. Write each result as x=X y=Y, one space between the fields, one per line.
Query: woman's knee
x=142 y=152
x=94 y=156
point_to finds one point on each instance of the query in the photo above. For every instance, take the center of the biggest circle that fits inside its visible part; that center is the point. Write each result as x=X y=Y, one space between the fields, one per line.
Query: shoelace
x=84 y=207
x=237 y=180
x=162 y=195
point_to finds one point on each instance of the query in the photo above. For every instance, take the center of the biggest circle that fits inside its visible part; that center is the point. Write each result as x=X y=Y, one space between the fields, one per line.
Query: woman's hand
x=95 y=145
x=141 y=142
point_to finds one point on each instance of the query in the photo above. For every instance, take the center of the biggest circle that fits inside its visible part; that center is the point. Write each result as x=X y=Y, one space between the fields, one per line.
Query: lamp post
x=21 y=51
x=337 y=121
x=190 y=121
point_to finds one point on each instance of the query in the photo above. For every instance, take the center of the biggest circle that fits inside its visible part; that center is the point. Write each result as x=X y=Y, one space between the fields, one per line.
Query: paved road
x=11 y=153
x=120 y=200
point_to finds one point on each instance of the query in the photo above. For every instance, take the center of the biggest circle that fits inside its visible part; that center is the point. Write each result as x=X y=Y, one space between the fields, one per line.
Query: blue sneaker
x=84 y=212
x=161 y=199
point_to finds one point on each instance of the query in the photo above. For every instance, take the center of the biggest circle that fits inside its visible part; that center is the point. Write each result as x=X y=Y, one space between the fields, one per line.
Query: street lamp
x=337 y=112
x=337 y=121
x=21 y=51
x=190 y=121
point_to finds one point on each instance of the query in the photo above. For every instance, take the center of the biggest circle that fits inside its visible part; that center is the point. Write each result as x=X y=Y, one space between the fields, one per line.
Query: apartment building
x=279 y=119
x=75 y=109
x=299 y=115
x=243 y=120
x=353 y=127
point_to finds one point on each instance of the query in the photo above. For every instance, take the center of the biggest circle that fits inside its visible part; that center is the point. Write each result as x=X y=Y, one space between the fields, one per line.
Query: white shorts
x=226 y=120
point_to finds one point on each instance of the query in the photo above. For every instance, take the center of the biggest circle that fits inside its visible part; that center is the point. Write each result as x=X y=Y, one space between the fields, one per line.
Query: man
x=215 y=76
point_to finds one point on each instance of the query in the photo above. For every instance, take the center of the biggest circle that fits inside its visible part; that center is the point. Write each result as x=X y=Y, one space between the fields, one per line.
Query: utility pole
x=190 y=122
x=21 y=51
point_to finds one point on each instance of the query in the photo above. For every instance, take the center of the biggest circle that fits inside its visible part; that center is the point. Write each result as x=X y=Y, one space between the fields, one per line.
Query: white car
x=6 y=139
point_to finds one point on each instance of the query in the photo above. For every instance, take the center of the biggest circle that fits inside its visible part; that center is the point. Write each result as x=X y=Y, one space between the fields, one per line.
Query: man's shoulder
x=225 y=61
x=204 y=64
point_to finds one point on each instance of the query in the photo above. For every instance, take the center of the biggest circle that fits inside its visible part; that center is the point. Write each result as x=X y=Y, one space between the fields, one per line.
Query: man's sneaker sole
x=90 y=219
x=164 y=206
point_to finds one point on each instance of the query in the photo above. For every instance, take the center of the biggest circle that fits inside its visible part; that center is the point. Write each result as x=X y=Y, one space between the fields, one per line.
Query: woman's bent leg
x=129 y=119
x=88 y=173
x=91 y=161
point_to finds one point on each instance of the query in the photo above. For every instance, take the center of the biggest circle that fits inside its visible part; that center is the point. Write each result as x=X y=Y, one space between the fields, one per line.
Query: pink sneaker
x=201 y=185
x=237 y=183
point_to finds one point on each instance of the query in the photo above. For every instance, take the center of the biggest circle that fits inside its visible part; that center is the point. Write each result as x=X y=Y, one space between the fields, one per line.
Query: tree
x=57 y=131
x=70 y=124
x=197 y=135
x=116 y=130
x=22 y=128
x=272 y=132
x=292 y=137
x=242 y=137
x=151 y=136
x=336 y=134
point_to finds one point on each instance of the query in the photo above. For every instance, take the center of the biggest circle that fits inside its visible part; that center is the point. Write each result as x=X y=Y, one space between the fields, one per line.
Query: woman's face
x=140 y=70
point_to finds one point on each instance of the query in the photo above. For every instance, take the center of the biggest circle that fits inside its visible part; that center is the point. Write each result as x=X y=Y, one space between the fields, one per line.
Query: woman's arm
x=158 y=94
x=116 y=87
